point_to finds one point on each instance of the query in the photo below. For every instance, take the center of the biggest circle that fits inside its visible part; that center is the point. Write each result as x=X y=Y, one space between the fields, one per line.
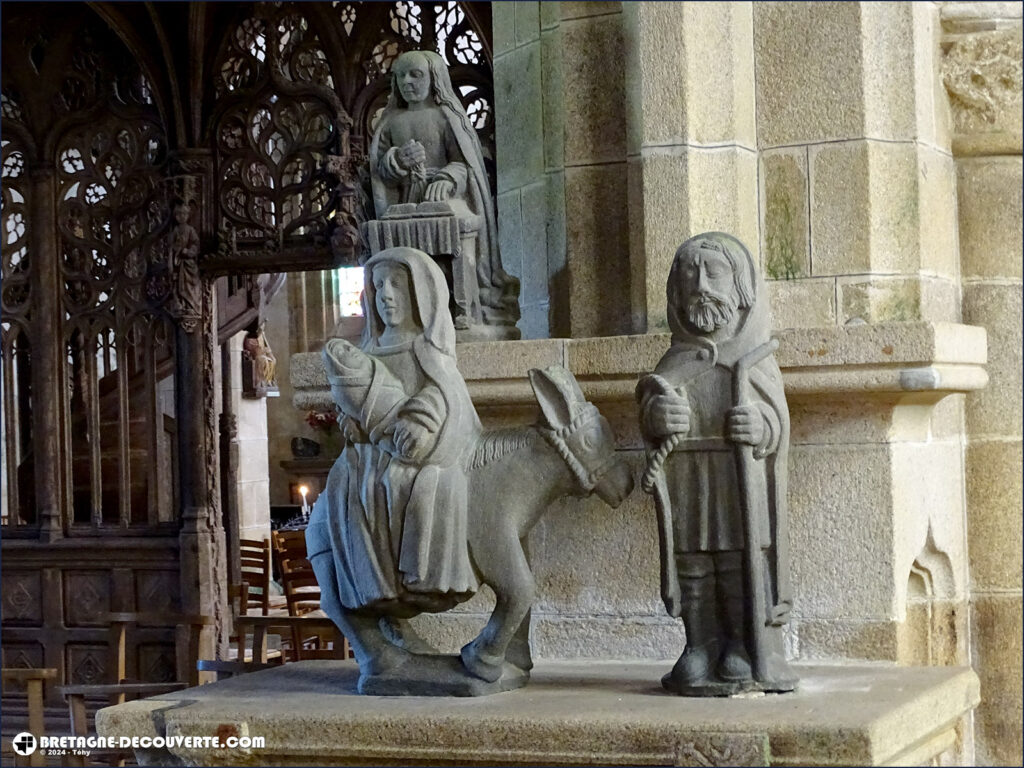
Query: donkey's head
x=581 y=435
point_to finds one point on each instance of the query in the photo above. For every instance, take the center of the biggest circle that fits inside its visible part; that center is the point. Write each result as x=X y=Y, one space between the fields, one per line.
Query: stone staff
x=753 y=567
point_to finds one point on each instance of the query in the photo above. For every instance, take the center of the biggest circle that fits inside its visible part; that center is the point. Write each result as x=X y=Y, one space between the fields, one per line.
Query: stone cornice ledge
x=918 y=362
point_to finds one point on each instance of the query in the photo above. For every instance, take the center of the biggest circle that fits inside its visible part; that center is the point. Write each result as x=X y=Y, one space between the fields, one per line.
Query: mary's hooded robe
x=397 y=528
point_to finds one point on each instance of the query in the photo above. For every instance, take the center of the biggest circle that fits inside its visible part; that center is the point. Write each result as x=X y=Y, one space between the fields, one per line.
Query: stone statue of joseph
x=719 y=317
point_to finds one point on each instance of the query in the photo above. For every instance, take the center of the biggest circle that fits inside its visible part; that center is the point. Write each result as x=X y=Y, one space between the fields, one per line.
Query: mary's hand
x=412 y=440
x=352 y=431
x=439 y=190
x=411 y=154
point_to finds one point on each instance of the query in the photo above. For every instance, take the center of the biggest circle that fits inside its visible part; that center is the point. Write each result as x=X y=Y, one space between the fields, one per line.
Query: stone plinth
x=572 y=713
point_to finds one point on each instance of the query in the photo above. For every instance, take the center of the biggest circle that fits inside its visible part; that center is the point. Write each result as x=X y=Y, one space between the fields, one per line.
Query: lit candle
x=305 y=505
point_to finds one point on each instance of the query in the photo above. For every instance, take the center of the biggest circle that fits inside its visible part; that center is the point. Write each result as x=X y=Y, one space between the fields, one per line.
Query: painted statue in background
x=430 y=192
x=423 y=506
x=715 y=418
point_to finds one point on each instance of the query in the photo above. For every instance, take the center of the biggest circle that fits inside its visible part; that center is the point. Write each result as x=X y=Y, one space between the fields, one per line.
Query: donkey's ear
x=558 y=394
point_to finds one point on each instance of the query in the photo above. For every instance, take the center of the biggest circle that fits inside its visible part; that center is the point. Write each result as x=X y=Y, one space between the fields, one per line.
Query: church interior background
x=870 y=154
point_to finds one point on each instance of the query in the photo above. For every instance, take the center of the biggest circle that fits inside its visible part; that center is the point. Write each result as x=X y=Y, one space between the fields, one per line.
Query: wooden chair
x=301 y=589
x=310 y=637
x=238 y=597
x=120 y=688
x=255 y=566
x=33 y=680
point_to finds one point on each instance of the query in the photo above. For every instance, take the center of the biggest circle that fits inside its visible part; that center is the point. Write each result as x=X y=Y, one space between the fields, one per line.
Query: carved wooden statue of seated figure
x=422 y=506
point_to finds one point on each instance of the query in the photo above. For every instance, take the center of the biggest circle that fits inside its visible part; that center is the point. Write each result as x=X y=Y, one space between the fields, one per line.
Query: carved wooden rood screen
x=162 y=164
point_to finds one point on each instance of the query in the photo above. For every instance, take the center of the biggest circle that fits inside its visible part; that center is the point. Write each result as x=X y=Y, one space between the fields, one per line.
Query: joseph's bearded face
x=709 y=291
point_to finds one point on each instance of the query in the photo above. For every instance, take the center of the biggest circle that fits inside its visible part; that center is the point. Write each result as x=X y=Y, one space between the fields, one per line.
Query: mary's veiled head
x=428 y=296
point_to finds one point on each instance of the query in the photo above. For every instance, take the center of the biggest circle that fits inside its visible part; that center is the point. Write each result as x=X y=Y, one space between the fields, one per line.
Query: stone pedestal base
x=571 y=713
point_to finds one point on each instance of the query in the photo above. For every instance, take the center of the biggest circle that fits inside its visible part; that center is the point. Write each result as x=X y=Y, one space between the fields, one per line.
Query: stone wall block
x=830 y=639
x=841 y=518
x=252 y=460
x=937 y=218
x=785 y=247
x=254 y=507
x=527 y=16
x=552 y=85
x=990 y=202
x=590 y=559
x=947 y=418
x=510 y=232
x=887 y=37
x=994 y=498
x=519 y=123
x=810 y=302
x=594 y=90
x=997 y=650
x=690 y=74
x=584 y=8
x=809 y=69
x=503 y=27
x=550 y=14
x=895 y=210
x=840 y=209
x=558 y=277
x=535 y=250
x=997 y=409
x=597 y=246
x=817 y=423
x=686 y=192
x=607 y=637
x=931 y=102
x=897 y=299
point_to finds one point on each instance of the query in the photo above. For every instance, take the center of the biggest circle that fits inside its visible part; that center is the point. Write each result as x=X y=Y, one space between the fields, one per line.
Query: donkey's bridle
x=588 y=468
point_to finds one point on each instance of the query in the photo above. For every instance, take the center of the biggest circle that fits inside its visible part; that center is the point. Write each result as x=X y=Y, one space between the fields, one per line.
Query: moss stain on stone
x=781 y=262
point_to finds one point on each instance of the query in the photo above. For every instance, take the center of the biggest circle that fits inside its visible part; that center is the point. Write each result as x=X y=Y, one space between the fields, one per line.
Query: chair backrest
x=301 y=590
x=187 y=639
x=254 y=555
x=308 y=637
x=288 y=545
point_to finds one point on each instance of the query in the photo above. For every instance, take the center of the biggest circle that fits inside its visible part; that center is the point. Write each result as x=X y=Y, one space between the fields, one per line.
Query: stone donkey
x=514 y=475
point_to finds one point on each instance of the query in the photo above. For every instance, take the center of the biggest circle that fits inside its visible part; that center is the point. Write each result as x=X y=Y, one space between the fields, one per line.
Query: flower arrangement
x=325 y=421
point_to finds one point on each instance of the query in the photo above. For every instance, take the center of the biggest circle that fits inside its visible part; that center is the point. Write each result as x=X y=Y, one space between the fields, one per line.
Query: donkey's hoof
x=486 y=666
x=387 y=660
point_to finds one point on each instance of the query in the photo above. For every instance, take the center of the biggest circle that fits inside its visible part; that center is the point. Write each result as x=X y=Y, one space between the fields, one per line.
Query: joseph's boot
x=696 y=666
x=734 y=666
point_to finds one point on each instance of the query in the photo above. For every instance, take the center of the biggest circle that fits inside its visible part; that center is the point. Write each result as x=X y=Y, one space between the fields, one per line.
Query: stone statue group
x=423 y=505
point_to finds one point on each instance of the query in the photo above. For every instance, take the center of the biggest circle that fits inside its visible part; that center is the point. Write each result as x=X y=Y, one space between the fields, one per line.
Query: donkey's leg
x=518 y=652
x=505 y=568
x=372 y=651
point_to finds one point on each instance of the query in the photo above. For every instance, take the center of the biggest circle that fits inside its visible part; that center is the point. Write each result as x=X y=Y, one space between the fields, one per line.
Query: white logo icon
x=24 y=744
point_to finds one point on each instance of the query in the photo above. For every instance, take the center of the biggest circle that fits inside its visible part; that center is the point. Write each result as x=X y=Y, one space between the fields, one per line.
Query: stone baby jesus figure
x=715 y=417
